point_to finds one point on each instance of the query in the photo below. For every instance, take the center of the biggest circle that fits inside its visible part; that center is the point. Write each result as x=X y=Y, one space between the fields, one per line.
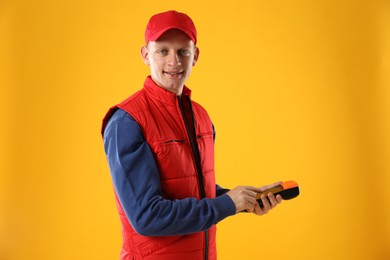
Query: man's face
x=171 y=59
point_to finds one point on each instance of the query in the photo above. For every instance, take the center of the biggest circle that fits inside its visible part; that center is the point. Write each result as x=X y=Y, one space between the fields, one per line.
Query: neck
x=176 y=90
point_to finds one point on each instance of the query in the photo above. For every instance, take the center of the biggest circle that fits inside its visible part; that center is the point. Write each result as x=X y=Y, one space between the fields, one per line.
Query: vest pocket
x=174 y=158
x=173 y=141
x=205 y=136
x=151 y=245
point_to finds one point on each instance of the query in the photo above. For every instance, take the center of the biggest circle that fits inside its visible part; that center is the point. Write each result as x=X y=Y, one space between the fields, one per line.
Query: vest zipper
x=196 y=154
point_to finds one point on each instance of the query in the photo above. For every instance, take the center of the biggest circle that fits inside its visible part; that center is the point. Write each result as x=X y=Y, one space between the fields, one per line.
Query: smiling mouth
x=174 y=73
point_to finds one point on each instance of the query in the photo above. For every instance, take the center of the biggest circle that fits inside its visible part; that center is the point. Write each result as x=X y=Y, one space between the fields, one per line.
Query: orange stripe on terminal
x=289 y=184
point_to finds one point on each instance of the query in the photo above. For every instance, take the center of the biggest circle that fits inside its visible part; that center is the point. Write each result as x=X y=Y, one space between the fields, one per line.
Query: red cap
x=162 y=22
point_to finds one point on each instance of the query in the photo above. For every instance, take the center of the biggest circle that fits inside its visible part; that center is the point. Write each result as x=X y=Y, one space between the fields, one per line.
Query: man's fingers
x=257 y=209
x=251 y=199
x=279 y=198
x=251 y=193
x=252 y=189
x=266 y=206
x=273 y=200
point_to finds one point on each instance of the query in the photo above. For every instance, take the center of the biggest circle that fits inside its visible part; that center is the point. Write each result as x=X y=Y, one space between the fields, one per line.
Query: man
x=160 y=149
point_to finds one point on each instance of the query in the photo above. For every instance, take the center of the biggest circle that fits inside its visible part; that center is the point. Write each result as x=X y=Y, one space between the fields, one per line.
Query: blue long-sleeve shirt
x=136 y=181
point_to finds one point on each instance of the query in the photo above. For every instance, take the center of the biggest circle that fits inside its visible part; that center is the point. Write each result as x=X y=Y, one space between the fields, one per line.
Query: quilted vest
x=186 y=168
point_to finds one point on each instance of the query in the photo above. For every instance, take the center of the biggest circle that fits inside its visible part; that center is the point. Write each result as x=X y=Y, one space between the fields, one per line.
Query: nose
x=174 y=59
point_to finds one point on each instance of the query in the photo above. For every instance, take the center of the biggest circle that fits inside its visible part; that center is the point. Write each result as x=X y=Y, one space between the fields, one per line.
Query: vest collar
x=156 y=92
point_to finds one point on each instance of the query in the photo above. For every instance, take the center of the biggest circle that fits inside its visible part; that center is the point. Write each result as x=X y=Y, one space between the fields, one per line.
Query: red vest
x=160 y=116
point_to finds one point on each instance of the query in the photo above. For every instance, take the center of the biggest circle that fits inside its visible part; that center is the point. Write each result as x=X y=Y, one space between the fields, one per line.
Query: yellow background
x=296 y=89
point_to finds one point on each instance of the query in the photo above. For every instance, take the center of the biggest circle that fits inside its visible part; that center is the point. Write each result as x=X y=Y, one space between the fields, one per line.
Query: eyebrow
x=162 y=45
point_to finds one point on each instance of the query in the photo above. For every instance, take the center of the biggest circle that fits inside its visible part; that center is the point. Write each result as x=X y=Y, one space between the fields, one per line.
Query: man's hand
x=244 y=198
x=269 y=203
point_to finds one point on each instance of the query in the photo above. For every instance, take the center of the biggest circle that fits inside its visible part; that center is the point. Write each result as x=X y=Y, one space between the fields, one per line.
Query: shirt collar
x=161 y=94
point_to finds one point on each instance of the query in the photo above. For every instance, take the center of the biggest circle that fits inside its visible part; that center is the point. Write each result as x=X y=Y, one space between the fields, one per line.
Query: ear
x=145 y=55
x=196 y=56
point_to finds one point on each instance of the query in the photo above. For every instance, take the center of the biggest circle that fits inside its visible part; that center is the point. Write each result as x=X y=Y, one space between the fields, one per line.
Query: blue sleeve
x=221 y=191
x=137 y=184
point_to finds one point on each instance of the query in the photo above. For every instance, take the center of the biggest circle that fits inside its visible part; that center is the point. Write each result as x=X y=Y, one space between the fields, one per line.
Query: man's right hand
x=244 y=197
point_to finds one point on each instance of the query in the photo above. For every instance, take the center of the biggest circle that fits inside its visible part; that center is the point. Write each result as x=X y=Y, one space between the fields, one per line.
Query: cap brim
x=157 y=35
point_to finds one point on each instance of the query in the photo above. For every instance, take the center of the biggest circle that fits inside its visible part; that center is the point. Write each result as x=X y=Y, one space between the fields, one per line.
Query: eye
x=162 y=51
x=185 y=52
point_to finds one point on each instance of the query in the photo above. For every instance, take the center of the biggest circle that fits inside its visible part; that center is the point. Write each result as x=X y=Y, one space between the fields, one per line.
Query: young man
x=160 y=149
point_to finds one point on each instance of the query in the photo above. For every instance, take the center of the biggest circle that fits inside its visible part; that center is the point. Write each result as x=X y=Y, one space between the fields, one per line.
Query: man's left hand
x=268 y=203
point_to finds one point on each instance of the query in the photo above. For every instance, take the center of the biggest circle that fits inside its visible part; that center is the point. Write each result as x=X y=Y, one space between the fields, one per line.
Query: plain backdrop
x=297 y=90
